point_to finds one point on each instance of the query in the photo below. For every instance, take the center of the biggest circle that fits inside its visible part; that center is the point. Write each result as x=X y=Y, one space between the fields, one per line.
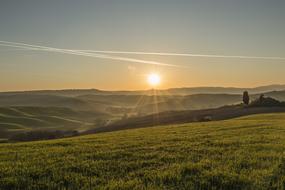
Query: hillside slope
x=176 y=117
x=42 y=100
x=119 y=104
x=14 y=120
x=243 y=153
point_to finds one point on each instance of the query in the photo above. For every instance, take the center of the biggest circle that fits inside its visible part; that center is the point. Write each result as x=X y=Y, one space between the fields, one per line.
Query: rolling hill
x=15 y=120
x=42 y=100
x=178 y=117
x=242 y=153
x=279 y=95
x=83 y=110
x=171 y=91
x=137 y=103
x=73 y=110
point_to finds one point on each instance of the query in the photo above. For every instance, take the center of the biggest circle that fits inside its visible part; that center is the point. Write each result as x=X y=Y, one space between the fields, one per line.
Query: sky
x=253 y=28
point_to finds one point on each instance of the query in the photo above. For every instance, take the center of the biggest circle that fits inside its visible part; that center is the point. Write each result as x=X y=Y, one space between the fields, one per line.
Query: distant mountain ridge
x=170 y=91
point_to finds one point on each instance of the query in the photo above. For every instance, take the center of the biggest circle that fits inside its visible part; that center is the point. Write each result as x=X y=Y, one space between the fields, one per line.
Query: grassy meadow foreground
x=243 y=153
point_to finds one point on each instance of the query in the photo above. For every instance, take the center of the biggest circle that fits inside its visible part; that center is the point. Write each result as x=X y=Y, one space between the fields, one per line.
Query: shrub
x=42 y=135
x=266 y=102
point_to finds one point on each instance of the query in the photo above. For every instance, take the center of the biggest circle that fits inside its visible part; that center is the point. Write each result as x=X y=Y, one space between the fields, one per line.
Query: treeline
x=41 y=135
x=262 y=101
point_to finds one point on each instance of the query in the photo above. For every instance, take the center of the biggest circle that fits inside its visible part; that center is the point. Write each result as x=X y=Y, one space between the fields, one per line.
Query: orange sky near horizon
x=242 y=29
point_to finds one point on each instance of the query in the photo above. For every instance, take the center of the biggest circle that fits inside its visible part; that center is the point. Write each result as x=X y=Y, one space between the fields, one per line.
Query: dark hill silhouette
x=178 y=117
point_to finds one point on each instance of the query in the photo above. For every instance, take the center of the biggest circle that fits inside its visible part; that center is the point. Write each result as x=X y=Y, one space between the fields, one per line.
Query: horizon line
x=122 y=90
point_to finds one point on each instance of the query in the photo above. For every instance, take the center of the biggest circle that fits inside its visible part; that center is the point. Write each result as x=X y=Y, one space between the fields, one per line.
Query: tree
x=245 y=98
x=261 y=98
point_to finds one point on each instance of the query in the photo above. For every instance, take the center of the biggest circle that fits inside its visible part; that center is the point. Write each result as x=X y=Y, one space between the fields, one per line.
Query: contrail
x=183 y=54
x=102 y=54
x=81 y=53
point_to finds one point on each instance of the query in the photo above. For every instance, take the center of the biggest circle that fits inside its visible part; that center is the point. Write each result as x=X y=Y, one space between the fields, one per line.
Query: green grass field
x=243 y=153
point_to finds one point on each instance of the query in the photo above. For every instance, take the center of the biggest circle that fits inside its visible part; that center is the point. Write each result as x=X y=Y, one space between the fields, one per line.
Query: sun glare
x=153 y=79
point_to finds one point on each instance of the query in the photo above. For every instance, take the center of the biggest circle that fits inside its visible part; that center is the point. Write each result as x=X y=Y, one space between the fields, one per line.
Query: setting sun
x=153 y=79
x=142 y=94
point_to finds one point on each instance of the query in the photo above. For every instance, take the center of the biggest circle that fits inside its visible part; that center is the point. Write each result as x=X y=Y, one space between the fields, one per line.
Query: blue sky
x=222 y=27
